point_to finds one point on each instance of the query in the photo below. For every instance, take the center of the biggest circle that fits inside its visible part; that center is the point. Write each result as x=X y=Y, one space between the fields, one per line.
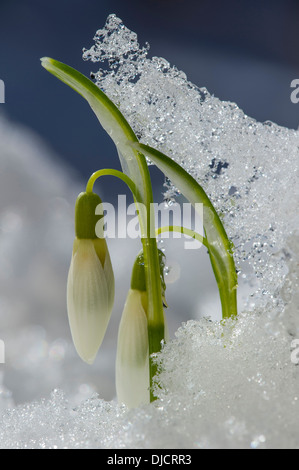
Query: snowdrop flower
x=90 y=285
x=132 y=358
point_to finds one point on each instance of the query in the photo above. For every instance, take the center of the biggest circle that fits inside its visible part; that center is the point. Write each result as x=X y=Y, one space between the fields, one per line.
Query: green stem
x=185 y=231
x=111 y=172
x=155 y=314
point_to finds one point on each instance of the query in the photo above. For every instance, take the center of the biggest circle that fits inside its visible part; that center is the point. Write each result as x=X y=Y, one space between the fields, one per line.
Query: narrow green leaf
x=220 y=247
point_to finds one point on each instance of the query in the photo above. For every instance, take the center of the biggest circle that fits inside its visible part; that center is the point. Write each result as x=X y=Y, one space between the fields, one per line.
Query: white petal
x=102 y=251
x=132 y=360
x=110 y=280
x=87 y=300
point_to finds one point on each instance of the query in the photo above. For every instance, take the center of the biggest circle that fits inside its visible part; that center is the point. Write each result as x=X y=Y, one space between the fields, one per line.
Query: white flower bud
x=132 y=360
x=90 y=294
x=90 y=286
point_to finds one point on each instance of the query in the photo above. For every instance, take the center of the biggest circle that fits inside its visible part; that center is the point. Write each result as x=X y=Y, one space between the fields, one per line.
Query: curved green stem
x=185 y=231
x=111 y=172
x=155 y=316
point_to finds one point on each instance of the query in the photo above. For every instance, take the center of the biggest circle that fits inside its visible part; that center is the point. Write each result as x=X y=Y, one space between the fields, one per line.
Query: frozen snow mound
x=231 y=386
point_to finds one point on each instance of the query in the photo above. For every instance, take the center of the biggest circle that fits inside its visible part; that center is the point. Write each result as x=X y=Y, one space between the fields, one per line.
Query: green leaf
x=220 y=247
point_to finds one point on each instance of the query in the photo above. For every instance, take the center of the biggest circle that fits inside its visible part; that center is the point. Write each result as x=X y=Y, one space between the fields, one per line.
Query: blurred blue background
x=241 y=51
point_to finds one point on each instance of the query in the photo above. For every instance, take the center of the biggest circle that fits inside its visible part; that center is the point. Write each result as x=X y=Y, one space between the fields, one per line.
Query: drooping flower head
x=90 y=286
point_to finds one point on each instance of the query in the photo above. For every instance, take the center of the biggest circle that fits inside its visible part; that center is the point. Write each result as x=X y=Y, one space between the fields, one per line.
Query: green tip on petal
x=138 y=274
x=85 y=215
